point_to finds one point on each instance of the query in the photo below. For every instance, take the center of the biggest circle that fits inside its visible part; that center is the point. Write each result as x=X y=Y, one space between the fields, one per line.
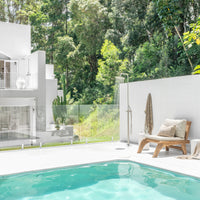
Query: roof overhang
x=4 y=56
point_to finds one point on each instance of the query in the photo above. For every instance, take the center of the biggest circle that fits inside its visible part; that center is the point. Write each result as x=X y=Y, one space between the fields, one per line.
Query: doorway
x=8 y=73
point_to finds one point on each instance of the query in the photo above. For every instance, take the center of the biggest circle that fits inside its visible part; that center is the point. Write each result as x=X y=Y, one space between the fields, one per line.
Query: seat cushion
x=167 y=131
x=161 y=138
x=180 y=126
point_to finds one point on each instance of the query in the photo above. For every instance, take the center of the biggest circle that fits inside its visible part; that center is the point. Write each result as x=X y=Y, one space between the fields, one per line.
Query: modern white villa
x=27 y=84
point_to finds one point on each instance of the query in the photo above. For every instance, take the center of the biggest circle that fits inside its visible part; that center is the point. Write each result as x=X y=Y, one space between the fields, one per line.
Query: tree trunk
x=182 y=16
x=92 y=59
x=189 y=60
x=67 y=76
x=67 y=16
x=52 y=46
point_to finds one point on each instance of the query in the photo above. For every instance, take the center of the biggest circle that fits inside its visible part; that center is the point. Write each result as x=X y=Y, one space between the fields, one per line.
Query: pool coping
x=137 y=159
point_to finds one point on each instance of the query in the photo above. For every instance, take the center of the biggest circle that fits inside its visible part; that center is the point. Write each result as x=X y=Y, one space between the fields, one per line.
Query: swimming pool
x=117 y=180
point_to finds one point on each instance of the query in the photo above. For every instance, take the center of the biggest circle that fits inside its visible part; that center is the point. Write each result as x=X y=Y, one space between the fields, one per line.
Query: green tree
x=128 y=28
x=110 y=64
x=89 y=19
x=57 y=13
x=17 y=11
x=193 y=36
x=2 y=11
x=65 y=48
x=177 y=13
x=109 y=67
x=152 y=59
x=192 y=42
x=38 y=21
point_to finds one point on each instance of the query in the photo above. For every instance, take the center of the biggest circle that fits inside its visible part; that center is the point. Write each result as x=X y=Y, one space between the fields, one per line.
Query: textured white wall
x=15 y=39
x=174 y=98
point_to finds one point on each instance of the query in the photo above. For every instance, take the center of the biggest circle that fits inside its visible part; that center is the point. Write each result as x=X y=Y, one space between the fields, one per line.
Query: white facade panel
x=51 y=94
x=175 y=98
x=15 y=39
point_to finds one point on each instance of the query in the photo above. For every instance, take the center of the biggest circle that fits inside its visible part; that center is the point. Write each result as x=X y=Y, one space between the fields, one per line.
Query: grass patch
x=101 y=124
x=54 y=145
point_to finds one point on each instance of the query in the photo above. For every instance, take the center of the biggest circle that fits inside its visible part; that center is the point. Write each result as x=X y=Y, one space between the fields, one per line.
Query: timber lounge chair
x=167 y=142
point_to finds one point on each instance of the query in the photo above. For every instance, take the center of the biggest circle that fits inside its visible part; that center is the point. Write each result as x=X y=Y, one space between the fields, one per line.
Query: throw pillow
x=167 y=131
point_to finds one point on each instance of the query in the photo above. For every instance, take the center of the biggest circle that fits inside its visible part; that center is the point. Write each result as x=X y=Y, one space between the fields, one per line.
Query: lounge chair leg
x=142 y=144
x=167 y=148
x=183 y=146
x=157 y=151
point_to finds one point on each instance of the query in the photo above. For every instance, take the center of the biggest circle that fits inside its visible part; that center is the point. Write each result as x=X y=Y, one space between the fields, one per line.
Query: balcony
x=19 y=74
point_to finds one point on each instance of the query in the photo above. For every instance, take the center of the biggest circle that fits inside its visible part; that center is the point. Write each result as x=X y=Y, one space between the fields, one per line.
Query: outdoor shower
x=128 y=109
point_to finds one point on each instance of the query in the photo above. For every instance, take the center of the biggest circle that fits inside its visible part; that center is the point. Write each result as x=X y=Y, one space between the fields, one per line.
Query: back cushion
x=180 y=126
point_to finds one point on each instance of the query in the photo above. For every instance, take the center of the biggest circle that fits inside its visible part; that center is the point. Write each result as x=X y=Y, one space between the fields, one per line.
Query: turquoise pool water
x=119 y=180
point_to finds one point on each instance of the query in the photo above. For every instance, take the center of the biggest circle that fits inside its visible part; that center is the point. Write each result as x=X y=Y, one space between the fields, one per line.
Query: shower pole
x=128 y=108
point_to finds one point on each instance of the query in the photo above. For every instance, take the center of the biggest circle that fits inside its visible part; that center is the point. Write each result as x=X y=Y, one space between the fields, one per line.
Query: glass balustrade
x=67 y=125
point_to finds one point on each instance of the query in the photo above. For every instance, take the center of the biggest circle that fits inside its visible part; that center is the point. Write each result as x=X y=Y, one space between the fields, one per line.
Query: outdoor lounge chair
x=167 y=142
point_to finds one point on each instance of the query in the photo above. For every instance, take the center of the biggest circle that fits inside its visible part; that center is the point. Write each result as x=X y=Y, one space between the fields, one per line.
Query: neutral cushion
x=161 y=138
x=167 y=131
x=180 y=126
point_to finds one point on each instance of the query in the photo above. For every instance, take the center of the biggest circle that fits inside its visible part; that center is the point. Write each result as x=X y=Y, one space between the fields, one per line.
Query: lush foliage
x=90 y=42
x=102 y=124
x=59 y=110
x=109 y=66
x=192 y=41
x=197 y=70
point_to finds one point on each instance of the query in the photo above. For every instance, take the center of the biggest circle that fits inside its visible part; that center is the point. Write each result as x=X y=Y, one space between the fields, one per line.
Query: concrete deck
x=12 y=162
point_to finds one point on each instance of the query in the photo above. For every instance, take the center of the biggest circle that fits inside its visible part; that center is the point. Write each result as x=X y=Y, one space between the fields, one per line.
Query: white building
x=27 y=84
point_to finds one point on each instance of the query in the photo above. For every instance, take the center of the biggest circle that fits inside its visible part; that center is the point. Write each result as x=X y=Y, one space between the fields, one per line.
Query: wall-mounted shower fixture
x=129 y=111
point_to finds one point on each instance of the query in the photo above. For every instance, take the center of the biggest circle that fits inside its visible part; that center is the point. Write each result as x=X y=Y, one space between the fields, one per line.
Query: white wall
x=15 y=39
x=13 y=74
x=176 y=98
x=49 y=71
x=51 y=94
x=33 y=69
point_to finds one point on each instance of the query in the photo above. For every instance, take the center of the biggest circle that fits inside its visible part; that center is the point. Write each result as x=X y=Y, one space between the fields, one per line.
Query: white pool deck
x=12 y=162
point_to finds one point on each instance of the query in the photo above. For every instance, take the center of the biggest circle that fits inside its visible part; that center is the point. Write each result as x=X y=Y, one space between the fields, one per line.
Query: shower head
x=125 y=74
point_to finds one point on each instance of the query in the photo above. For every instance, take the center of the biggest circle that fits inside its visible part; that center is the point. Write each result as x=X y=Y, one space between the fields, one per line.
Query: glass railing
x=15 y=125
x=64 y=125
x=12 y=80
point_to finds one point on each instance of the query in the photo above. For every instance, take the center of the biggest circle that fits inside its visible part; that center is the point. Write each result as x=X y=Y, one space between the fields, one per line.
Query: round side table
x=193 y=144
